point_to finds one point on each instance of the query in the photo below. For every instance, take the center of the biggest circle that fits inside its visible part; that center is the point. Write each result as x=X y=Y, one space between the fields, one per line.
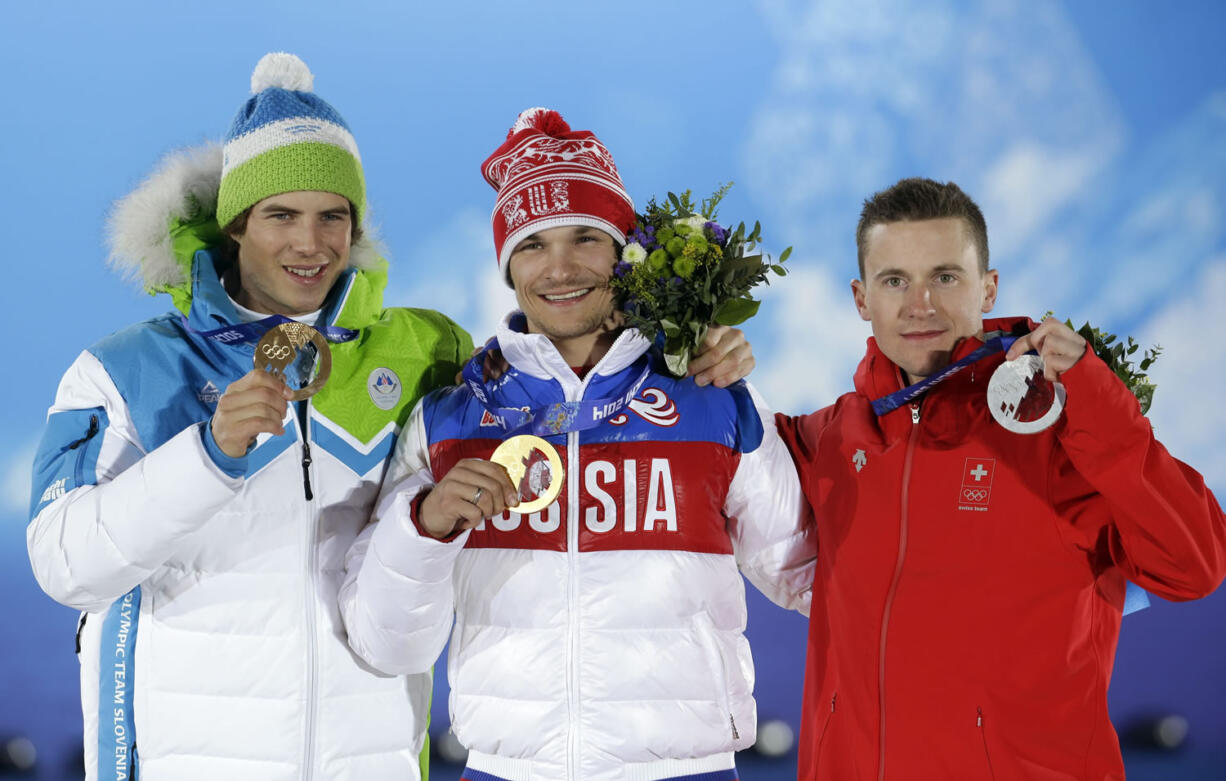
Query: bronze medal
x=535 y=469
x=292 y=349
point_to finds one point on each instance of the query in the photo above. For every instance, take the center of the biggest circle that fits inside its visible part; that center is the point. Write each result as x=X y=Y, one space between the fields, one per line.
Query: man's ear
x=990 y=281
x=859 y=294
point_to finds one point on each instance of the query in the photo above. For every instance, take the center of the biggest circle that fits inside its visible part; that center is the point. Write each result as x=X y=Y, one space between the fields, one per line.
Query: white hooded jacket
x=610 y=647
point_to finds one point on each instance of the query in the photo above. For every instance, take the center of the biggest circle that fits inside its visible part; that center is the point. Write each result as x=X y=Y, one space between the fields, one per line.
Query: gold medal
x=535 y=469
x=281 y=348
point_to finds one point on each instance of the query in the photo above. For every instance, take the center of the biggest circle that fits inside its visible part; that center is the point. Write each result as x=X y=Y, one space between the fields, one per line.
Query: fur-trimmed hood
x=155 y=231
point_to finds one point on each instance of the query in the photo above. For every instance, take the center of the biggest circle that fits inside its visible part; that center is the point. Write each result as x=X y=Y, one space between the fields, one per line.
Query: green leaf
x=671 y=329
x=677 y=361
x=736 y=311
x=785 y=254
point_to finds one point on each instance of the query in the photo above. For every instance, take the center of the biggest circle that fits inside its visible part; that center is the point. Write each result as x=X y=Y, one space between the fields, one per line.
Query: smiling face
x=923 y=291
x=292 y=251
x=561 y=280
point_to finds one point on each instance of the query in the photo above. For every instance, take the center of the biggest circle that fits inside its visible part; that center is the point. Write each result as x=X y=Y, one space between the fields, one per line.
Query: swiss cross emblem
x=976 y=489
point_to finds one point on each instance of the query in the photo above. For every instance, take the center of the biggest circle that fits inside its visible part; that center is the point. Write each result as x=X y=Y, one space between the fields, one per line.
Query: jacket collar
x=536 y=356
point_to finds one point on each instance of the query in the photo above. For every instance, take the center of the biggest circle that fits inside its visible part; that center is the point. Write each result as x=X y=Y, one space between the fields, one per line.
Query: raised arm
x=1121 y=489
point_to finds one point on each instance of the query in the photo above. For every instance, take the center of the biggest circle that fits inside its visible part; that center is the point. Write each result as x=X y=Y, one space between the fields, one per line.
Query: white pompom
x=284 y=70
x=527 y=118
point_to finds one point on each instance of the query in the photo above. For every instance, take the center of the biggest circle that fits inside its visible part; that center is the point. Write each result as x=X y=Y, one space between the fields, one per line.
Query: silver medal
x=1021 y=399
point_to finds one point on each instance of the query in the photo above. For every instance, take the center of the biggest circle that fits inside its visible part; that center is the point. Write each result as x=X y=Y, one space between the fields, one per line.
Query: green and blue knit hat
x=286 y=138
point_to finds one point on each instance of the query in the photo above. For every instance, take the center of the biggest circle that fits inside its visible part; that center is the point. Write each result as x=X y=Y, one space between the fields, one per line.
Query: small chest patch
x=384 y=388
x=976 y=490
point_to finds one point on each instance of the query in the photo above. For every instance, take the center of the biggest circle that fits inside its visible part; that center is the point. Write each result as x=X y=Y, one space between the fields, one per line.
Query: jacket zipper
x=889 y=600
x=89 y=434
x=984 y=736
x=304 y=419
x=304 y=416
x=572 y=607
x=573 y=735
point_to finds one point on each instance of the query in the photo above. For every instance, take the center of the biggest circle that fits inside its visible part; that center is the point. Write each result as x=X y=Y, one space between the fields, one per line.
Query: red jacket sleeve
x=1123 y=492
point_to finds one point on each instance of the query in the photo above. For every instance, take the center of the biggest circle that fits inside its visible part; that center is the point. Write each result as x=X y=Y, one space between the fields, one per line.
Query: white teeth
x=305 y=272
x=566 y=296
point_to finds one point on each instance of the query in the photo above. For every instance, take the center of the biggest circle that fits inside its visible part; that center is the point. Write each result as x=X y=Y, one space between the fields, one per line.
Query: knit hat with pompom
x=549 y=176
x=286 y=138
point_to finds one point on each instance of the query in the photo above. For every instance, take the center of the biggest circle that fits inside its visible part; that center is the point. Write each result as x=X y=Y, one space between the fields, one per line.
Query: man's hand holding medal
x=1056 y=344
x=256 y=403
x=524 y=473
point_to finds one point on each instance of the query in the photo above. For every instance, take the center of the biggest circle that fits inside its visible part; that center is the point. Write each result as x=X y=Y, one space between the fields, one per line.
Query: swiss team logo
x=384 y=388
x=976 y=489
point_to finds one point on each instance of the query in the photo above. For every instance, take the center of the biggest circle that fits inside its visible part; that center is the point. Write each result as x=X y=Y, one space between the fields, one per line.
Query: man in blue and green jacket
x=195 y=515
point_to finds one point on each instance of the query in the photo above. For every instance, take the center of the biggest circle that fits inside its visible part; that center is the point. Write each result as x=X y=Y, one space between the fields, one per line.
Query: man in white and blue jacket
x=197 y=519
x=600 y=637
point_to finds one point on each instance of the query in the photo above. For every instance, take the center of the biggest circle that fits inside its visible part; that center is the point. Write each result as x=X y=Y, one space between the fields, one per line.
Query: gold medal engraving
x=535 y=469
x=291 y=345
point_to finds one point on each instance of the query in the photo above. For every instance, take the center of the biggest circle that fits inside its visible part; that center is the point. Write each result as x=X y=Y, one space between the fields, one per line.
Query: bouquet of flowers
x=681 y=271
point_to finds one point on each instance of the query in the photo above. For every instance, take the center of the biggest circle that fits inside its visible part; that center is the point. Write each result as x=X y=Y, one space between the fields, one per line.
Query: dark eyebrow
x=889 y=272
x=941 y=269
x=277 y=207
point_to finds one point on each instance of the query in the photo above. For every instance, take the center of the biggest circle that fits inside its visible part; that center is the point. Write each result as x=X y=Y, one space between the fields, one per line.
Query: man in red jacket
x=970 y=579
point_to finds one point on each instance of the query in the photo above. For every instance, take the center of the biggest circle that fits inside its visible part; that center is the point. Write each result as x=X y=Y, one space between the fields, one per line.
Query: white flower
x=694 y=223
x=634 y=253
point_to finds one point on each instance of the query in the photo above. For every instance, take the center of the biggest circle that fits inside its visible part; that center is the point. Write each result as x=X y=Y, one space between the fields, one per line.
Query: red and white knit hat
x=548 y=176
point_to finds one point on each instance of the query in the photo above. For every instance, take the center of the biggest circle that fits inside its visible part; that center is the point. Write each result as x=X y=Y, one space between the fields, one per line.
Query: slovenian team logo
x=384 y=388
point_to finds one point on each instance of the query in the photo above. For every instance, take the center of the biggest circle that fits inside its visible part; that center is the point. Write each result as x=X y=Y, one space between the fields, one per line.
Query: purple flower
x=621 y=269
x=676 y=281
x=717 y=233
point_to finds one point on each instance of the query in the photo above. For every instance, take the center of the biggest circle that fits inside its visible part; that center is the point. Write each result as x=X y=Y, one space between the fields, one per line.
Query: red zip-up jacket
x=970 y=580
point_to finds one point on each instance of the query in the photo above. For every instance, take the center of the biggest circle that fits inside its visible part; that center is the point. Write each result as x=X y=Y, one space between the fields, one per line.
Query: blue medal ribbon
x=244 y=333
x=892 y=401
x=550 y=419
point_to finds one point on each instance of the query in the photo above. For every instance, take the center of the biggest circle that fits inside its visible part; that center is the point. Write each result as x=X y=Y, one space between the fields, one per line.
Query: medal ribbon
x=892 y=401
x=557 y=418
x=244 y=333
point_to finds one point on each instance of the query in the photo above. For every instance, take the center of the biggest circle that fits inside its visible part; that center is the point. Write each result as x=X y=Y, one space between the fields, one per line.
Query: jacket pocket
x=704 y=628
x=80 y=629
x=983 y=737
x=821 y=736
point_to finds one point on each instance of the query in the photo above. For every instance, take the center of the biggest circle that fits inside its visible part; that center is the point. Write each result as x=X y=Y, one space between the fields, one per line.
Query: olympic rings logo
x=277 y=352
x=974 y=494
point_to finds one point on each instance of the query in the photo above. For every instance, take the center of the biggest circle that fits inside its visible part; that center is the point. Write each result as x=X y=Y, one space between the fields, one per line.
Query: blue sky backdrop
x=1090 y=133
